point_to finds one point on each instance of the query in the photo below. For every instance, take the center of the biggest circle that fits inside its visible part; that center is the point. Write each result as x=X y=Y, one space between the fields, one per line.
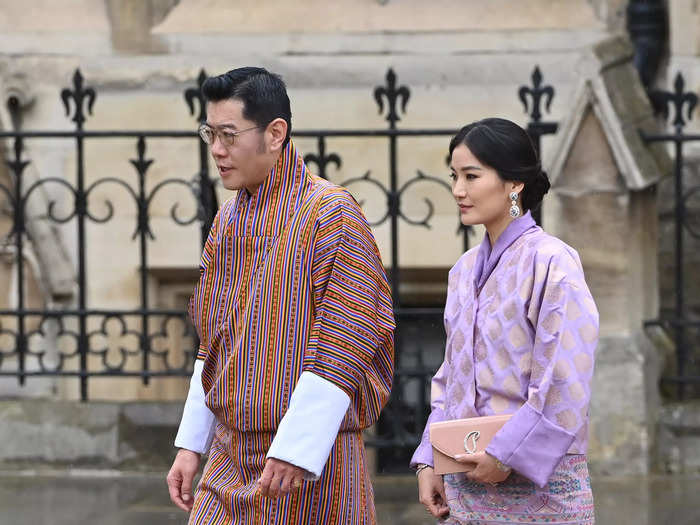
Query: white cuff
x=308 y=429
x=197 y=425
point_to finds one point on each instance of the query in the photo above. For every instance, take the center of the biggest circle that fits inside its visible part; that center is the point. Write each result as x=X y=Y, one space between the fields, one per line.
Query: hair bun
x=542 y=183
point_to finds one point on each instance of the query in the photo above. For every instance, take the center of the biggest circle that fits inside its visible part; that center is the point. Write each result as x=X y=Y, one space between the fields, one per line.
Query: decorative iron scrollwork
x=323 y=159
x=192 y=94
x=679 y=99
x=79 y=94
x=52 y=329
x=392 y=94
x=537 y=92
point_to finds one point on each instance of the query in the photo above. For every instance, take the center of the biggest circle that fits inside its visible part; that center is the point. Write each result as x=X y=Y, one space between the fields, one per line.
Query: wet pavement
x=118 y=498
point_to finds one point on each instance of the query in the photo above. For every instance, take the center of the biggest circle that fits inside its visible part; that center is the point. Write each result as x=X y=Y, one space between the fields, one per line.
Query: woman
x=522 y=328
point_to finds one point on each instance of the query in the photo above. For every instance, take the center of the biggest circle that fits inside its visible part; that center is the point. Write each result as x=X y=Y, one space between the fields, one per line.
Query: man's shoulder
x=336 y=201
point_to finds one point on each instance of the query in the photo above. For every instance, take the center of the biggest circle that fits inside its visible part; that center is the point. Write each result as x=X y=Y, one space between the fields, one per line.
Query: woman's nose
x=458 y=190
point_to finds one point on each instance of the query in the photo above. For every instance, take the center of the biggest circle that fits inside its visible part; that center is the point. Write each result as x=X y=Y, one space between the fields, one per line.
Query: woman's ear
x=516 y=186
x=277 y=133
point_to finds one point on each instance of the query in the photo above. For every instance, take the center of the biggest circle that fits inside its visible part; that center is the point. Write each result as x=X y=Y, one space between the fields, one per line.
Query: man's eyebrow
x=223 y=125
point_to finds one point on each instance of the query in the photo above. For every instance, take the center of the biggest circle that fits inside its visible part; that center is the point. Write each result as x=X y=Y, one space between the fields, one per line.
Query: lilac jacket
x=522 y=329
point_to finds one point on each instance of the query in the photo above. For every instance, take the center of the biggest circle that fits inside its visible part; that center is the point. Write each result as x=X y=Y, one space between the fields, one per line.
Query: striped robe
x=291 y=281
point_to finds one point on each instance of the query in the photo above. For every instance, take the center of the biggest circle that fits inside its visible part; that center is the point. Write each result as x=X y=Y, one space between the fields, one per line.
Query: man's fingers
x=264 y=481
x=286 y=484
x=174 y=484
x=274 y=490
x=186 y=488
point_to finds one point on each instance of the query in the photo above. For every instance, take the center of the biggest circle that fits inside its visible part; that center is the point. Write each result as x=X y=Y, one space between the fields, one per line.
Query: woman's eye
x=470 y=176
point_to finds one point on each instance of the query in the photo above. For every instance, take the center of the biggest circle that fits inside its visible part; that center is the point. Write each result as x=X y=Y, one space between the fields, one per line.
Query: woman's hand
x=431 y=493
x=485 y=468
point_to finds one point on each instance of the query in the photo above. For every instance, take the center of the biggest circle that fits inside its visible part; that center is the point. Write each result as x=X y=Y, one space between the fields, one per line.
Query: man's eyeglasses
x=226 y=137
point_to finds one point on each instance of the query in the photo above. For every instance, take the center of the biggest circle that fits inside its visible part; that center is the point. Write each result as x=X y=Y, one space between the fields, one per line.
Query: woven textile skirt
x=226 y=494
x=566 y=499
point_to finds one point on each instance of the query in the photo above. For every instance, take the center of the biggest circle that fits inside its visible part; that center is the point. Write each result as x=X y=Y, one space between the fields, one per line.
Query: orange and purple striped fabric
x=291 y=281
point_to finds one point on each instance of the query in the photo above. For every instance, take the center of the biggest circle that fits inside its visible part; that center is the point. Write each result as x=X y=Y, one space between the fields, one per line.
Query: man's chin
x=231 y=185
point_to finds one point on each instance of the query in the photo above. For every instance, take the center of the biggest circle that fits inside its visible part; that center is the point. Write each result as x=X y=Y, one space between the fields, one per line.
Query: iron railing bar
x=193 y=134
x=680 y=379
x=107 y=313
x=403 y=312
x=672 y=322
x=111 y=373
x=669 y=137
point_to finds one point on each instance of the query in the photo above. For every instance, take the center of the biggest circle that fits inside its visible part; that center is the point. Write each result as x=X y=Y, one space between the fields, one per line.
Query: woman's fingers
x=431 y=493
x=477 y=457
x=440 y=503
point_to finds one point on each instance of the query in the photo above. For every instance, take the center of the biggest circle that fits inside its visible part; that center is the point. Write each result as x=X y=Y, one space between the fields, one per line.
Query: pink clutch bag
x=461 y=436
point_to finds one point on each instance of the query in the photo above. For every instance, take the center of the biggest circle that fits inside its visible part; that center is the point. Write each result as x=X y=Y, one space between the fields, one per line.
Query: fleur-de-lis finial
x=662 y=100
x=322 y=159
x=79 y=94
x=536 y=92
x=141 y=163
x=392 y=94
x=192 y=94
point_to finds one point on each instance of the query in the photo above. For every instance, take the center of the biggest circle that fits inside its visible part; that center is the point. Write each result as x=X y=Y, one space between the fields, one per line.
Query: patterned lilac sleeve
x=541 y=431
x=424 y=452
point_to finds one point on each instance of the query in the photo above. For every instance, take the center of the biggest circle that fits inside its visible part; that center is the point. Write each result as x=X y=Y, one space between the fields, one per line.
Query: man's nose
x=217 y=147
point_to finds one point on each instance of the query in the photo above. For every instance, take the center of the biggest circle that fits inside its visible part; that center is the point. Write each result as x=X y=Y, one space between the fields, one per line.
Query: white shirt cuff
x=308 y=429
x=197 y=425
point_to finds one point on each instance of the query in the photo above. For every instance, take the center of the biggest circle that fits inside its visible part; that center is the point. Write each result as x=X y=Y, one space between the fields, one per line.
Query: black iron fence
x=679 y=320
x=86 y=340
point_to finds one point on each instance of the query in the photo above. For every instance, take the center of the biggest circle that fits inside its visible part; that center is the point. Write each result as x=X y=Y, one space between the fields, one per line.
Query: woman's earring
x=514 y=209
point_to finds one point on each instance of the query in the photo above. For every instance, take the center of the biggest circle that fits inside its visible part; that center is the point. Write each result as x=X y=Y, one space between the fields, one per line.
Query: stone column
x=603 y=203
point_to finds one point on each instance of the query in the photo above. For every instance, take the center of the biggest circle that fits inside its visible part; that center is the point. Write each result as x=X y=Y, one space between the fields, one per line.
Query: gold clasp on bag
x=470 y=447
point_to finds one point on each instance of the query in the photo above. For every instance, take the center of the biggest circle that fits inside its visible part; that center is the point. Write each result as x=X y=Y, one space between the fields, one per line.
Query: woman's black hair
x=506 y=147
x=264 y=94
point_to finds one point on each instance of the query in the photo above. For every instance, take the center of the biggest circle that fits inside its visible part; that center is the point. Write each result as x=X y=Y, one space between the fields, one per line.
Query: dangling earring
x=514 y=209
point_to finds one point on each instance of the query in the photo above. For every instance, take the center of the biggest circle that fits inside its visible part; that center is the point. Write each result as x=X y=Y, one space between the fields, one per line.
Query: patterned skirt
x=566 y=499
x=226 y=494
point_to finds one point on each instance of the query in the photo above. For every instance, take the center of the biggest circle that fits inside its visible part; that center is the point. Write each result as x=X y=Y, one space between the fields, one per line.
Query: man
x=295 y=321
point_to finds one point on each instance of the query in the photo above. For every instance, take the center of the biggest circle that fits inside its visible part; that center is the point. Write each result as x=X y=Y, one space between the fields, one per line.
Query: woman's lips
x=464 y=207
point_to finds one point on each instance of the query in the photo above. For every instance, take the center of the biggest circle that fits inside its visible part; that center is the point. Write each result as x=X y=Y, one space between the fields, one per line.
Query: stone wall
x=462 y=61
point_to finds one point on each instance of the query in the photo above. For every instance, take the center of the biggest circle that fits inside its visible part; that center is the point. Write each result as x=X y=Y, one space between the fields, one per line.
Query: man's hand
x=279 y=478
x=431 y=493
x=485 y=468
x=180 y=478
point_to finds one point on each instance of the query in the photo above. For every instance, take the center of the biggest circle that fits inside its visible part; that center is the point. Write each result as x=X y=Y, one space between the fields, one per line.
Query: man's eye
x=228 y=135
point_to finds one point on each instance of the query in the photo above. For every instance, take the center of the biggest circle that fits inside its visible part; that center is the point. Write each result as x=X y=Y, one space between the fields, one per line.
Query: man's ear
x=276 y=132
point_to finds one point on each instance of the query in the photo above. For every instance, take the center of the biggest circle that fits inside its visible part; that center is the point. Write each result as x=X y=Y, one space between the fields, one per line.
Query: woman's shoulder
x=466 y=261
x=560 y=260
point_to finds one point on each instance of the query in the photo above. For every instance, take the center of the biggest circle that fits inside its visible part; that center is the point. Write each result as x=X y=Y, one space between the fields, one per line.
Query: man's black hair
x=263 y=94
